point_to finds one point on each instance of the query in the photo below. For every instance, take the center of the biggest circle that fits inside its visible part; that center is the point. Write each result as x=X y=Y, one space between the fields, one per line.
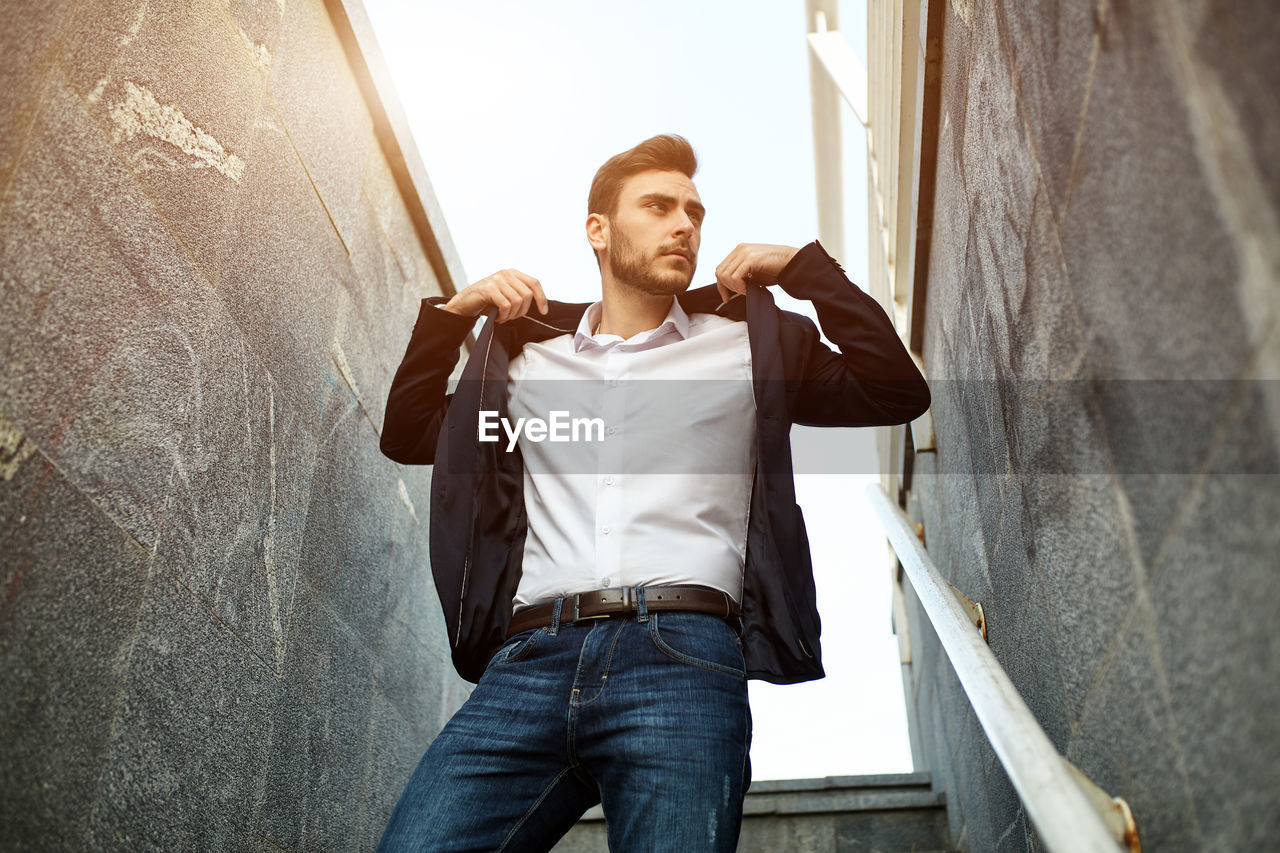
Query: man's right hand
x=510 y=291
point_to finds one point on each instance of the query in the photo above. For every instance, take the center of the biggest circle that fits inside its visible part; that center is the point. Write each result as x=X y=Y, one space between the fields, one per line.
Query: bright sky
x=515 y=105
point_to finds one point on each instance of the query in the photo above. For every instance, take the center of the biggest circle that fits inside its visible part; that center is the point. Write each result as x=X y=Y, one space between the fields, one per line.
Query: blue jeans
x=645 y=714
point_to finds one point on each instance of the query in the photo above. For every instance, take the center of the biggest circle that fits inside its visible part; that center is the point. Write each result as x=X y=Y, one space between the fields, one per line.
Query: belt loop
x=555 y=617
x=642 y=609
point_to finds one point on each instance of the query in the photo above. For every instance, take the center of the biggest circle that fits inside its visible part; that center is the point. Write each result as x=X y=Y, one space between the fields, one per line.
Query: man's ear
x=598 y=231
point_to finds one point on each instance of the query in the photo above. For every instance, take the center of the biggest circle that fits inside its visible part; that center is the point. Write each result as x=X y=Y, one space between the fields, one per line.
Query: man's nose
x=684 y=224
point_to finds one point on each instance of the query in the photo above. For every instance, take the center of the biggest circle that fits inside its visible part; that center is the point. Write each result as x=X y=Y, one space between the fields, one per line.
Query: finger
x=518 y=291
x=540 y=297
x=725 y=293
x=736 y=273
x=522 y=276
x=736 y=267
x=731 y=284
x=526 y=298
x=730 y=260
x=535 y=288
x=724 y=277
x=515 y=303
x=498 y=298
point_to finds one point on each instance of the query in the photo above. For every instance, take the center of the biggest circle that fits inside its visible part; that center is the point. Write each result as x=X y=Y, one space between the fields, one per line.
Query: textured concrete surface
x=1101 y=337
x=217 y=622
x=68 y=627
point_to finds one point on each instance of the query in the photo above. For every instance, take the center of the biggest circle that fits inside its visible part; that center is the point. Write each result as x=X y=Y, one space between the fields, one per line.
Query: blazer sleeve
x=872 y=380
x=417 y=401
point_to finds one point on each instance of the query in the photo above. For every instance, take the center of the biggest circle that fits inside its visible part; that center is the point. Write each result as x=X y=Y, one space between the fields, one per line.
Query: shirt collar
x=676 y=320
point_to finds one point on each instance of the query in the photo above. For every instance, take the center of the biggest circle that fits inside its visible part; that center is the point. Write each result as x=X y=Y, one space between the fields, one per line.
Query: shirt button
x=608 y=481
x=605 y=530
x=605 y=582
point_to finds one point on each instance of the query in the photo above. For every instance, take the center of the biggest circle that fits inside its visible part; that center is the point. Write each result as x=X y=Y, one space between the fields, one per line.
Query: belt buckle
x=577 y=614
x=577 y=598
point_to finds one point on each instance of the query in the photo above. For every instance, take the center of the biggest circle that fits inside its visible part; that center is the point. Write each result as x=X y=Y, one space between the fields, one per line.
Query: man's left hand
x=751 y=263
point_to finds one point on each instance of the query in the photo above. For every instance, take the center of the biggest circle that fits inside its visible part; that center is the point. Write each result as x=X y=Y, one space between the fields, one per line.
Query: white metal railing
x=1069 y=811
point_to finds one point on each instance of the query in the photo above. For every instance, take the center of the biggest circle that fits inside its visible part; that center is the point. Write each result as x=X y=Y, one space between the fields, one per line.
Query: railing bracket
x=1114 y=811
x=976 y=614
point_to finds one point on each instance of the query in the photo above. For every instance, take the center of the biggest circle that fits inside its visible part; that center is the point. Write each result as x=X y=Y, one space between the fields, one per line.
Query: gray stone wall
x=218 y=629
x=1101 y=338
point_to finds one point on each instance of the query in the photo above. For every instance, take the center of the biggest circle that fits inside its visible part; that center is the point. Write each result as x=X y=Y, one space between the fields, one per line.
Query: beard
x=631 y=266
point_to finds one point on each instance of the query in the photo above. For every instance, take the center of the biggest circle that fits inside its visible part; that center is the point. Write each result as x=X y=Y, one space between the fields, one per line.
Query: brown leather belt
x=603 y=603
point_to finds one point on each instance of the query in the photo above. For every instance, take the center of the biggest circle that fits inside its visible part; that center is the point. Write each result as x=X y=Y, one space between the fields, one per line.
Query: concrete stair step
x=842 y=793
x=895 y=813
x=891 y=813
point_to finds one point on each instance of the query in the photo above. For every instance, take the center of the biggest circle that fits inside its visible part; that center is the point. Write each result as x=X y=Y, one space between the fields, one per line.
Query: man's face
x=655 y=232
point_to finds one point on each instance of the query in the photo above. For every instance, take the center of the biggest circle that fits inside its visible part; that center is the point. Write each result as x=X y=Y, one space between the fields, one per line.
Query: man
x=610 y=615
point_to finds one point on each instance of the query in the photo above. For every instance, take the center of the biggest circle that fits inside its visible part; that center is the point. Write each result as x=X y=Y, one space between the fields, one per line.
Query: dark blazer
x=478 y=520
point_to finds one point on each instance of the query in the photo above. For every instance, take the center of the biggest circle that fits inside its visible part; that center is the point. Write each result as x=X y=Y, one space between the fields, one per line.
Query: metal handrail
x=1056 y=804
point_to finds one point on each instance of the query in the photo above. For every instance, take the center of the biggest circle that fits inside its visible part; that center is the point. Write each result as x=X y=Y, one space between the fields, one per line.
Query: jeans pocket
x=516 y=648
x=698 y=639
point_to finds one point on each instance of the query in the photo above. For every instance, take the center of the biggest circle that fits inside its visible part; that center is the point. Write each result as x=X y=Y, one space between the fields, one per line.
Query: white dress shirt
x=664 y=497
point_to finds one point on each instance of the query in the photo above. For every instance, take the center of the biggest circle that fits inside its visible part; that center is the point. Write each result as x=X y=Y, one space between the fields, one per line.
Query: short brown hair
x=667 y=152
